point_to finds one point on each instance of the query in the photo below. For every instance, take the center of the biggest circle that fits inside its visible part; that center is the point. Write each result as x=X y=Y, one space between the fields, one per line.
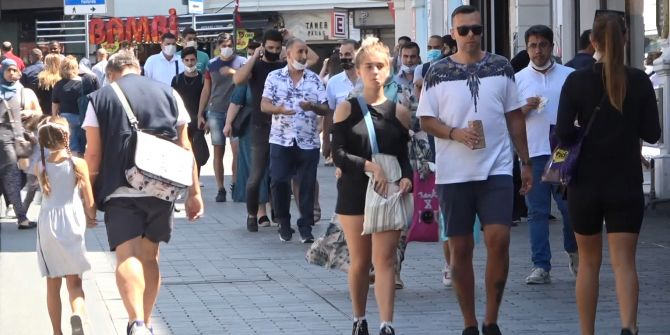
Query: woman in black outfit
x=608 y=179
x=352 y=154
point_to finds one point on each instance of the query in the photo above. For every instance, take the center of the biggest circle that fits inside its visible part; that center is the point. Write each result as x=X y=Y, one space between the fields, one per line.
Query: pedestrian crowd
x=452 y=148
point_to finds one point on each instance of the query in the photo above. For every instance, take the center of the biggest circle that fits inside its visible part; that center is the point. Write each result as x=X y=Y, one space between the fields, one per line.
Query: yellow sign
x=243 y=38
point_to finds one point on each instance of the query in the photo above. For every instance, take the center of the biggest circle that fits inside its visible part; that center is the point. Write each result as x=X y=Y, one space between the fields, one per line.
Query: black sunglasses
x=465 y=30
x=621 y=15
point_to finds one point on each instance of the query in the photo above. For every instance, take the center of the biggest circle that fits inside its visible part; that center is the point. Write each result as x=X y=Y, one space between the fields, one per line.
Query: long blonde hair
x=51 y=73
x=53 y=133
x=69 y=67
x=609 y=32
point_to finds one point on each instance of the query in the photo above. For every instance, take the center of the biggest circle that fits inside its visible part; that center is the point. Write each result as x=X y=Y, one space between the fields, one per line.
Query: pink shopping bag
x=425 y=225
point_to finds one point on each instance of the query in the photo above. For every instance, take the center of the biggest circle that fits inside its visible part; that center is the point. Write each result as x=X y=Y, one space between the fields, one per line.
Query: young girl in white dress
x=62 y=222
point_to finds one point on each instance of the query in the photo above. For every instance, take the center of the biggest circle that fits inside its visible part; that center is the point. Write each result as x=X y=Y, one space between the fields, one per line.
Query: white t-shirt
x=338 y=89
x=91 y=120
x=455 y=94
x=548 y=87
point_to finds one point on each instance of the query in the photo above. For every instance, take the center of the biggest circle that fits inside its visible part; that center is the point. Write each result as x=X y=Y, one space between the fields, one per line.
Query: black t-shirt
x=66 y=92
x=259 y=73
x=189 y=89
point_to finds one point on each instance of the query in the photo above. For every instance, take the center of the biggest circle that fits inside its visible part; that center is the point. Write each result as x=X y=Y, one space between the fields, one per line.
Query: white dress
x=61 y=225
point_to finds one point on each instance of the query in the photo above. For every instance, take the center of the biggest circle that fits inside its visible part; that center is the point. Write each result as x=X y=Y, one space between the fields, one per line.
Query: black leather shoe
x=470 y=331
x=491 y=329
x=252 y=224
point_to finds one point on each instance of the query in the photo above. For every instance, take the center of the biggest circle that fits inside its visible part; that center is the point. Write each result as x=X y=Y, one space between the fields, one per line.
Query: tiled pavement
x=220 y=279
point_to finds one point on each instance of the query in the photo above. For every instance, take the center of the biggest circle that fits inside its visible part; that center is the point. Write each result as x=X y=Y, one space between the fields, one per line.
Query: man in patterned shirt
x=294 y=96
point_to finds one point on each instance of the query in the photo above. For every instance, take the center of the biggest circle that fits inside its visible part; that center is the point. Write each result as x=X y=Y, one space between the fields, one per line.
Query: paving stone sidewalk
x=220 y=279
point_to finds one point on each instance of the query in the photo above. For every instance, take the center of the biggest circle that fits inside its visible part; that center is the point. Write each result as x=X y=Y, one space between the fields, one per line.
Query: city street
x=220 y=279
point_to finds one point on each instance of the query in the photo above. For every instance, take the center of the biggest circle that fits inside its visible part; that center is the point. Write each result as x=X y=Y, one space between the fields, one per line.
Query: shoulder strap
x=23 y=98
x=126 y=105
x=176 y=67
x=593 y=115
x=369 y=124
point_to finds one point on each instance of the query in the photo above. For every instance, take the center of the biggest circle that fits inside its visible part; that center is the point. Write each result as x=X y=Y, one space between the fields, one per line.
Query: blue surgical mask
x=433 y=55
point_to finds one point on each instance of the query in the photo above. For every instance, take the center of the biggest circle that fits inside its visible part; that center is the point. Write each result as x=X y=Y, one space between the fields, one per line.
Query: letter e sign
x=339 y=25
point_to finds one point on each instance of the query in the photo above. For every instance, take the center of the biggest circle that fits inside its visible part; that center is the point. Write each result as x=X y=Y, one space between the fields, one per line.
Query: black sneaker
x=232 y=188
x=307 y=238
x=470 y=331
x=285 y=235
x=627 y=331
x=252 y=224
x=360 y=328
x=387 y=330
x=26 y=224
x=76 y=325
x=221 y=196
x=491 y=329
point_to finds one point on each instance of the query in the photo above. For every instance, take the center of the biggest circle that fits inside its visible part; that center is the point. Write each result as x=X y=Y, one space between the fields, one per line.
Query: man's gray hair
x=293 y=41
x=121 y=60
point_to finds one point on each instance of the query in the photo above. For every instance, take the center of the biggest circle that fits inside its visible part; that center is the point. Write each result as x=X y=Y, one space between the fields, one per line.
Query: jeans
x=286 y=163
x=77 y=134
x=539 y=208
x=257 y=183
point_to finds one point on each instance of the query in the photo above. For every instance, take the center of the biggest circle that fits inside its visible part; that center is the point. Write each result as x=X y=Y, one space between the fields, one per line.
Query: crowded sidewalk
x=219 y=279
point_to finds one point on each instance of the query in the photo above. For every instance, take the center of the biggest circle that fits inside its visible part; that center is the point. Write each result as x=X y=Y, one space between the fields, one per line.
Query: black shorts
x=491 y=200
x=127 y=218
x=620 y=206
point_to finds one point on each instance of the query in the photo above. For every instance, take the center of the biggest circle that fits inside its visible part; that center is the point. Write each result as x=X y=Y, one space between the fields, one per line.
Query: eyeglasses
x=465 y=30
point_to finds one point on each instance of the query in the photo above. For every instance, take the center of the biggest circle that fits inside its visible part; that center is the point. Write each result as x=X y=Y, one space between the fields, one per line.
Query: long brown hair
x=53 y=134
x=609 y=33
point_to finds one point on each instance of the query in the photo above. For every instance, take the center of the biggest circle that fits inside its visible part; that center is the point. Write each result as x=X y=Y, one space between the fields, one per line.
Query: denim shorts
x=216 y=122
x=491 y=200
x=77 y=134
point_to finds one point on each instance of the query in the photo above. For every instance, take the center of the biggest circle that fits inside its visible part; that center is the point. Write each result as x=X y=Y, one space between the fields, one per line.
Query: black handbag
x=241 y=121
x=22 y=145
x=200 y=147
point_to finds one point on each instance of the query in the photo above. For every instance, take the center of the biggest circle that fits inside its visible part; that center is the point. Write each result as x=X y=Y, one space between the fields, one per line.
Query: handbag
x=563 y=161
x=384 y=213
x=161 y=168
x=200 y=147
x=241 y=121
x=330 y=251
x=23 y=147
x=425 y=225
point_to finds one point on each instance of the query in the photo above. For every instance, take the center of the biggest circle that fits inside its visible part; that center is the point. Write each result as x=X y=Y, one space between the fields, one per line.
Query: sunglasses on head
x=465 y=30
x=621 y=15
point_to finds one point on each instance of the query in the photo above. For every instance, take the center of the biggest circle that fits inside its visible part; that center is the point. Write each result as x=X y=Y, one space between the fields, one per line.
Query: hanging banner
x=131 y=29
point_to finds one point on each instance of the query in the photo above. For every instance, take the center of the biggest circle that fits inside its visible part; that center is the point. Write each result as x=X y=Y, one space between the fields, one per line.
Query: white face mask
x=191 y=69
x=408 y=69
x=597 y=56
x=192 y=44
x=544 y=67
x=226 y=52
x=299 y=66
x=169 y=50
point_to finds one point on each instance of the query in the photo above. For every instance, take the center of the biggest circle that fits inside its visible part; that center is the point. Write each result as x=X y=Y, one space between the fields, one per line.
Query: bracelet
x=451 y=131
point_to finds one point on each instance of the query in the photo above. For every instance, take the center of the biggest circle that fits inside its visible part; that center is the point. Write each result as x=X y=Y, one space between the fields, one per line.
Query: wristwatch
x=526 y=162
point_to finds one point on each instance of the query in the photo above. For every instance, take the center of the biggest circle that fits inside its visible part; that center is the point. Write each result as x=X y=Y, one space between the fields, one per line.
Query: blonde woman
x=352 y=154
x=65 y=101
x=607 y=183
x=47 y=79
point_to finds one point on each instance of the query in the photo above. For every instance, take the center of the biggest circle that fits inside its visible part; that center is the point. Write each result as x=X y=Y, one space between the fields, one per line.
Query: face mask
x=169 y=50
x=544 y=67
x=597 y=56
x=299 y=66
x=191 y=69
x=407 y=69
x=193 y=44
x=226 y=52
x=347 y=63
x=271 y=56
x=433 y=55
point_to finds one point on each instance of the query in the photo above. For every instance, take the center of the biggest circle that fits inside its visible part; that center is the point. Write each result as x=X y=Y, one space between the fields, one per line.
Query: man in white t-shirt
x=136 y=222
x=474 y=172
x=540 y=86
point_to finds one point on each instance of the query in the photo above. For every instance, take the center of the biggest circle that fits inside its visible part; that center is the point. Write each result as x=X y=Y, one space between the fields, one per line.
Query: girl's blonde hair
x=372 y=45
x=53 y=134
x=51 y=73
x=69 y=68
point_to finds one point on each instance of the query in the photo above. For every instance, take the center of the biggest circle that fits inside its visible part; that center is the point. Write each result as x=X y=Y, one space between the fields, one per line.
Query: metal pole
x=88 y=44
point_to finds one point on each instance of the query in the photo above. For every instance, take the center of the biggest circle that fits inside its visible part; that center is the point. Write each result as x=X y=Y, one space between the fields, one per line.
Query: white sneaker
x=573 y=264
x=446 y=276
x=538 y=276
x=136 y=329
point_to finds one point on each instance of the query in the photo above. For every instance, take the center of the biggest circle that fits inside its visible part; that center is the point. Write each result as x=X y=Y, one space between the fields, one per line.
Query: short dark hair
x=449 y=41
x=465 y=9
x=540 y=30
x=189 y=51
x=223 y=37
x=253 y=45
x=273 y=35
x=168 y=36
x=350 y=42
x=404 y=38
x=411 y=45
x=437 y=37
x=188 y=31
x=585 y=39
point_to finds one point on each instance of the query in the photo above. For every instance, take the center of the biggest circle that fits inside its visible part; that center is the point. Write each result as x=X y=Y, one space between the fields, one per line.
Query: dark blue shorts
x=491 y=200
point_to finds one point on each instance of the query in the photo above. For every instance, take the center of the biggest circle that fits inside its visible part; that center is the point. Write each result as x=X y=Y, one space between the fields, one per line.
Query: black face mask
x=271 y=56
x=347 y=63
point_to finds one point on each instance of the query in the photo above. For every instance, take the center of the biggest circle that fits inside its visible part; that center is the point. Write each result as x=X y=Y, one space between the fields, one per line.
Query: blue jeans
x=77 y=134
x=285 y=163
x=539 y=208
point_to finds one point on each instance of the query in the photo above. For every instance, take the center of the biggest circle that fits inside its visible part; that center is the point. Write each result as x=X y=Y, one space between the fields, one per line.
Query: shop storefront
x=377 y=22
x=322 y=30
